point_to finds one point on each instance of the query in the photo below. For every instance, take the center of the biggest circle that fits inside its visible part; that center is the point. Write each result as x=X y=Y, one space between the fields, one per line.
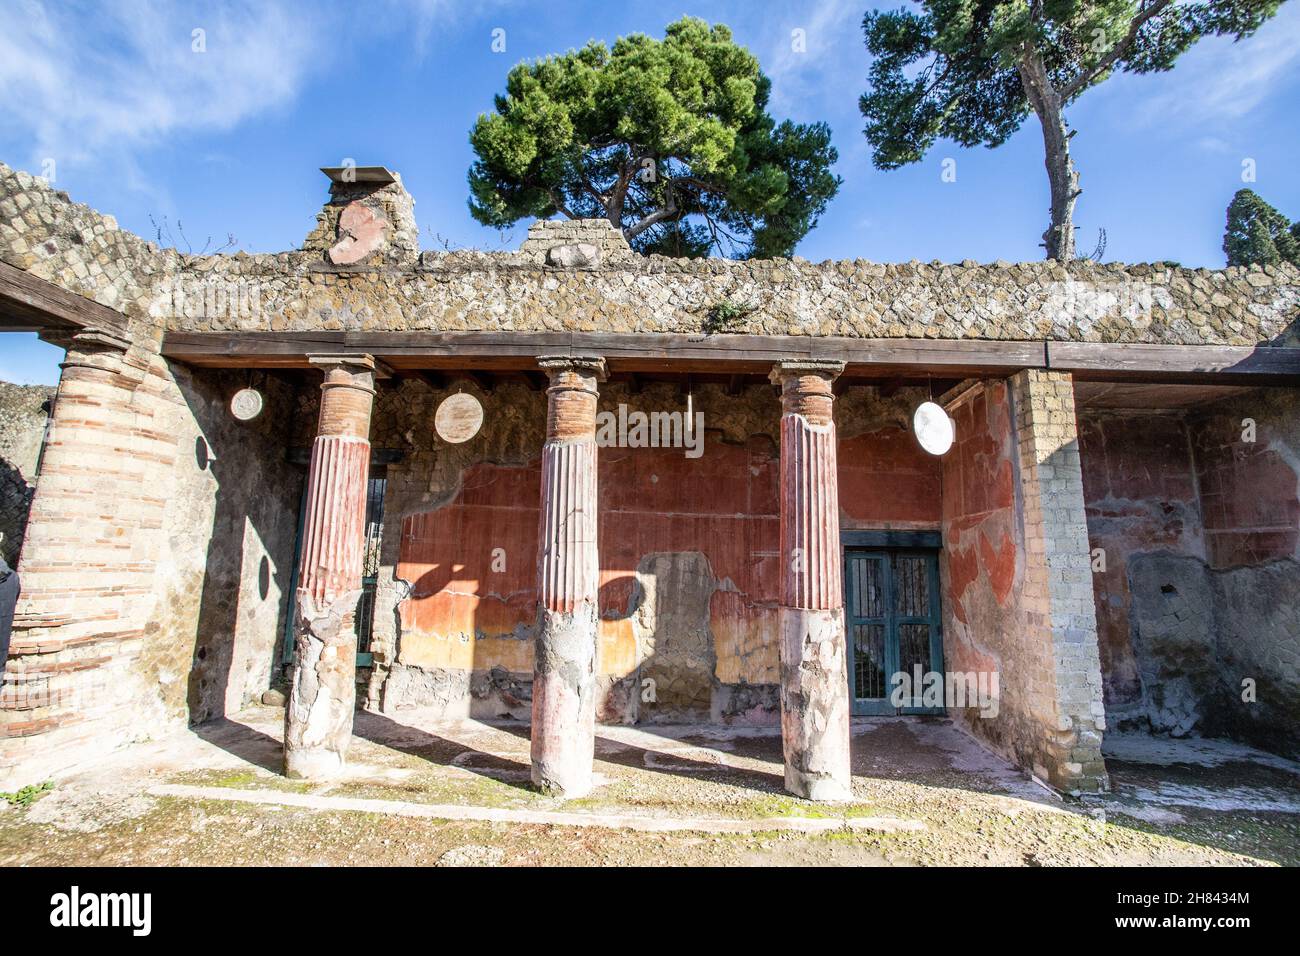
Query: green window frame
x=876 y=626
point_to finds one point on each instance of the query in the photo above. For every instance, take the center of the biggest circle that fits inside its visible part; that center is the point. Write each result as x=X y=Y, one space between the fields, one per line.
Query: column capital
x=102 y=336
x=806 y=388
x=346 y=371
x=358 y=361
x=828 y=369
x=592 y=366
x=92 y=347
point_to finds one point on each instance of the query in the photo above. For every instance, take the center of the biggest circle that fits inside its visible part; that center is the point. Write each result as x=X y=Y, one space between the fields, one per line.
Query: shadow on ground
x=924 y=793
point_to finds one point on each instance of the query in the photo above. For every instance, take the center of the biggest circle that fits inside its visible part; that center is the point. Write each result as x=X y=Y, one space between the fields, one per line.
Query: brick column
x=568 y=569
x=814 y=670
x=87 y=565
x=318 y=717
x=1060 y=616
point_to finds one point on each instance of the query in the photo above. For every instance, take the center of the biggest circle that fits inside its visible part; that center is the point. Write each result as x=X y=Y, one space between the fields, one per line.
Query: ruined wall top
x=369 y=220
x=362 y=271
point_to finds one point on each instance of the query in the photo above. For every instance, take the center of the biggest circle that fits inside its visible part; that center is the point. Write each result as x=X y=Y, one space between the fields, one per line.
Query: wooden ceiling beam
x=651 y=354
x=31 y=304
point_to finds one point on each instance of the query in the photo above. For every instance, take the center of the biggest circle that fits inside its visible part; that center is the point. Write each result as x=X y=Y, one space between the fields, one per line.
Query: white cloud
x=426 y=16
x=86 y=83
x=1219 y=80
x=833 y=60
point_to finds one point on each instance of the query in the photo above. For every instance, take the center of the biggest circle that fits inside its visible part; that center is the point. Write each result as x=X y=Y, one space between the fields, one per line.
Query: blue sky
x=228 y=141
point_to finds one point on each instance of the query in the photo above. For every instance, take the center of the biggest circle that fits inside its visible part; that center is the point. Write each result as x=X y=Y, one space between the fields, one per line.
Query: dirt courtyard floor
x=423 y=792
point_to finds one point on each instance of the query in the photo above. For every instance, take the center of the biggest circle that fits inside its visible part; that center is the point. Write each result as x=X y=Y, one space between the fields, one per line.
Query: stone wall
x=24 y=410
x=1018 y=598
x=42 y=232
x=233 y=521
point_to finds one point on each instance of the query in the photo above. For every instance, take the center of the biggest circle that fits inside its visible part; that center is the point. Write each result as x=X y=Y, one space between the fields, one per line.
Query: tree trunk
x=1062 y=177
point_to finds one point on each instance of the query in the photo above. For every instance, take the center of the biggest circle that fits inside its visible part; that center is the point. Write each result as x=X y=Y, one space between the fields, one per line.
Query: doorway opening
x=892 y=618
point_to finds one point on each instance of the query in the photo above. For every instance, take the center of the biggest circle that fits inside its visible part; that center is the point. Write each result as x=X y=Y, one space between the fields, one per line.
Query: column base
x=564 y=702
x=815 y=704
x=819 y=789
x=314 y=764
x=323 y=696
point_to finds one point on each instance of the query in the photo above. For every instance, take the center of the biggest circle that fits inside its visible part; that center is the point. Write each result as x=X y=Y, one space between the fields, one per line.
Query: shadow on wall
x=242 y=496
x=1290 y=336
x=688 y=550
x=15 y=504
x=676 y=583
x=24 y=415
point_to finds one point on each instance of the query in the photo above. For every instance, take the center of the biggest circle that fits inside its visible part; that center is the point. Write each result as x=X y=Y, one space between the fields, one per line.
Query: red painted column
x=564 y=661
x=318 y=717
x=814 y=669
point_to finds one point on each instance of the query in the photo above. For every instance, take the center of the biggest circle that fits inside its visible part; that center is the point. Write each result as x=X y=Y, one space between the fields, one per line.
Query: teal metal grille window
x=892 y=619
x=365 y=617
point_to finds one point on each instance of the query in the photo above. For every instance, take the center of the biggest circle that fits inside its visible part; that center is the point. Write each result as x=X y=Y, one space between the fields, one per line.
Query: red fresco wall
x=1199 y=527
x=652 y=500
x=1139 y=489
x=888 y=481
x=982 y=571
x=1248 y=490
x=978 y=503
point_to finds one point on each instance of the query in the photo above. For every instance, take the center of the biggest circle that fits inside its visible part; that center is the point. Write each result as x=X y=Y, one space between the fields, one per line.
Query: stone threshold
x=612 y=821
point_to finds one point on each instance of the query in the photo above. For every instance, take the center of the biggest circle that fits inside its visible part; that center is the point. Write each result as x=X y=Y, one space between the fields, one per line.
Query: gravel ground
x=924 y=794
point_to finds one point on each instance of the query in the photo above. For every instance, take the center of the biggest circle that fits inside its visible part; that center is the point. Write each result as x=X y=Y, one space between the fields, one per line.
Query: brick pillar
x=1057 y=596
x=568 y=569
x=87 y=565
x=814 y=670
x=318 y=718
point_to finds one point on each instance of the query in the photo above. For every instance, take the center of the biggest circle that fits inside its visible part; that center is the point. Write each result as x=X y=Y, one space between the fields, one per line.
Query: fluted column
x=814 y=669
x=564 y=662
x=318 y=717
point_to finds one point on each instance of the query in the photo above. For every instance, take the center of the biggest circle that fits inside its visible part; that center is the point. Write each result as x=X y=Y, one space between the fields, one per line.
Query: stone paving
x=424 y=792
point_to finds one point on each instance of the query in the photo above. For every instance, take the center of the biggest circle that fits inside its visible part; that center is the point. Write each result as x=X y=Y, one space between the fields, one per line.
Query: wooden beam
x=30 y=304
x=1187 y=364
x=961 y=393
x=656 y=353
x=625 y=352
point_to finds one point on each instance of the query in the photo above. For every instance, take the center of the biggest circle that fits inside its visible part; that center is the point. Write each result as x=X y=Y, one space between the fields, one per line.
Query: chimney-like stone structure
x=369 y=221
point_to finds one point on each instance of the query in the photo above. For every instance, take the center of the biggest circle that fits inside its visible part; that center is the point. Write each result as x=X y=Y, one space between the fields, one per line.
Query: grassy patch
x=27 y=795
